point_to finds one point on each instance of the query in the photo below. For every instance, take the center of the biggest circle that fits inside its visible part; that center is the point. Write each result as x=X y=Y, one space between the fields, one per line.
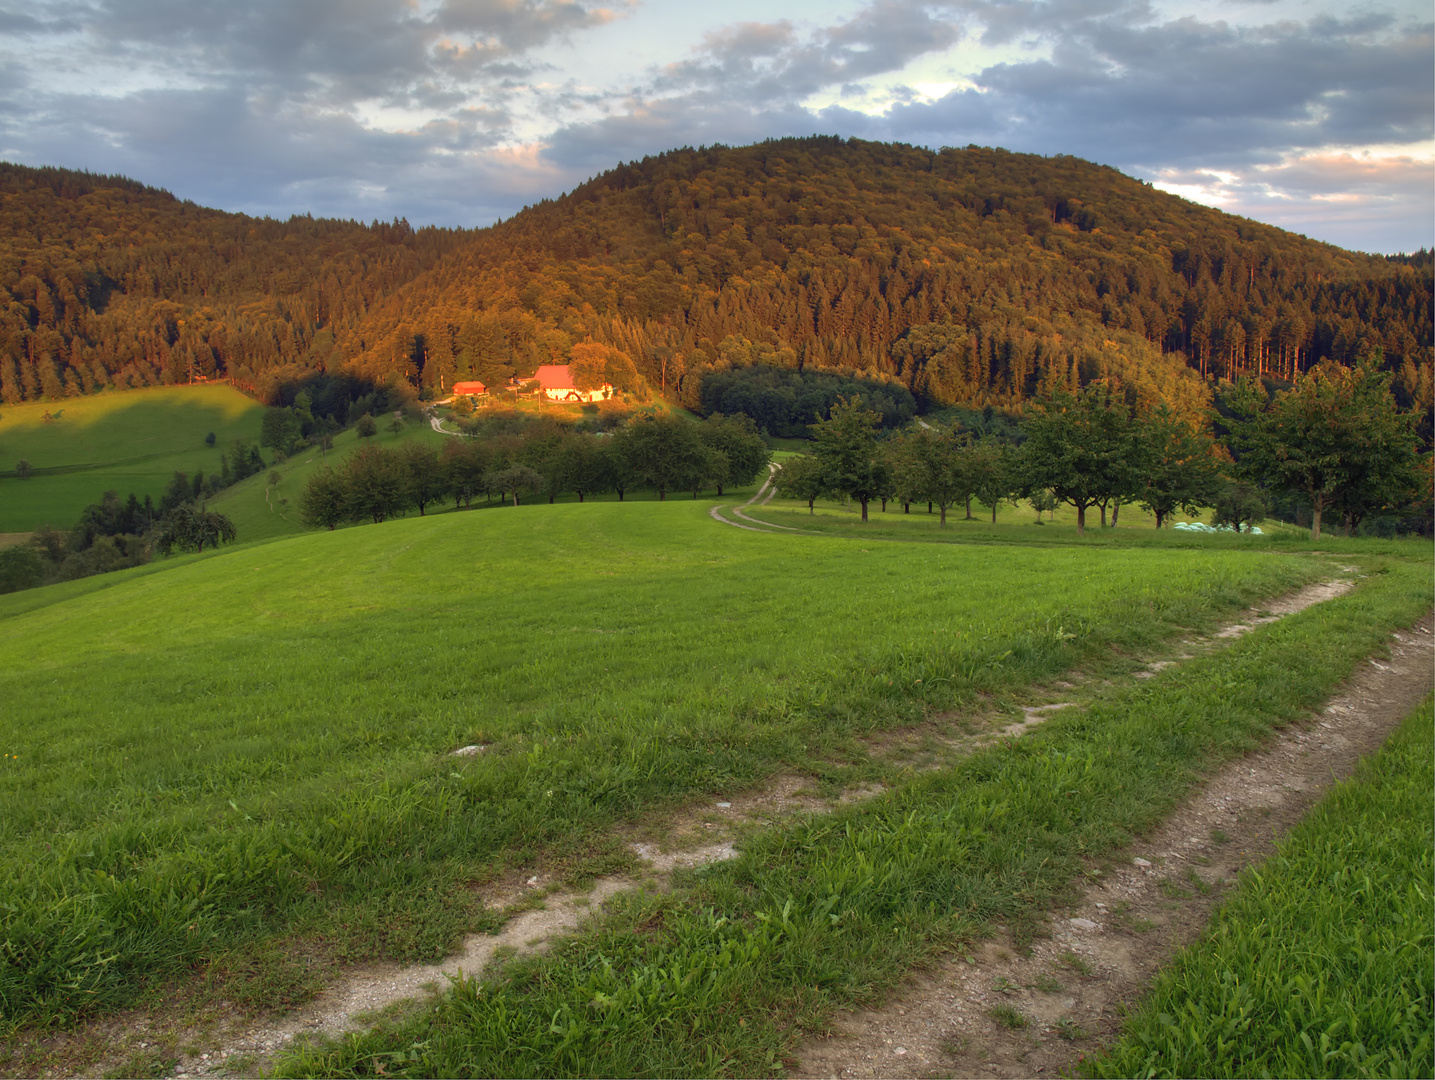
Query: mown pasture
x=239 y=762
x=720 y=976
x=1321 y=963
x=123 y=442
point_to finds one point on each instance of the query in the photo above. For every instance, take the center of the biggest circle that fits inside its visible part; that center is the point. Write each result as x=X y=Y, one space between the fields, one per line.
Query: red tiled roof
x=474 y=387
x=554 y=377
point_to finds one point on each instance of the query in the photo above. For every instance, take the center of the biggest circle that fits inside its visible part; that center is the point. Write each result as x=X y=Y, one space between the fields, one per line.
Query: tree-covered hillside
x=971 y=276
x=106 y=282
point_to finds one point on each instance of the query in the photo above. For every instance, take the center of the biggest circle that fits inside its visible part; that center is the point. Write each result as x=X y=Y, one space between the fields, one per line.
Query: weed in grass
x=1027 y=926
x=1134 y=924
x=240 y=1065
x=1078 y=964
x=1218 y=837
x=1172 y=891
x=1200 y=884
x=1048 y=984
x=955 y=1045
x=1071 y=1030
x=1008 y=1017
x=1003 y=985
x=145 y=1063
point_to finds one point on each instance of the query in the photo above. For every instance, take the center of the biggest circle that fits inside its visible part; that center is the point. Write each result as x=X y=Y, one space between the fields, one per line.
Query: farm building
x=469 y=389
x=556 y=384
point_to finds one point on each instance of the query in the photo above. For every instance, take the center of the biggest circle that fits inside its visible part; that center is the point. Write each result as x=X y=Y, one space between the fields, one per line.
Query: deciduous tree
x=1179 y=466
x=1335 y=435
x=1080 y=447
x=845 y=446
x=664 y=452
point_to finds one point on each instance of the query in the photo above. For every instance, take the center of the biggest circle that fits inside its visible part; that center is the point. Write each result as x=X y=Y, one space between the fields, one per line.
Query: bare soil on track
x=1006 y=1011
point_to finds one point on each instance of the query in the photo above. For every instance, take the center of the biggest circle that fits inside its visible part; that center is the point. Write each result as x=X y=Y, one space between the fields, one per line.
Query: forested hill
x=104 y=281
x=973 y=276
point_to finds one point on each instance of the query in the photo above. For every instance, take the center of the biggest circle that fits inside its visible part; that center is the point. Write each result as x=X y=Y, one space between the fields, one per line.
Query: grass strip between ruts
x=1320 y=964
x=722 y=975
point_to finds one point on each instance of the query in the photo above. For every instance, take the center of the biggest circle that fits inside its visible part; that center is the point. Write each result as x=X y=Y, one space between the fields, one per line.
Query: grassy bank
x=245 y=754
x=721 y=977
x=1321 y=963
x=124 y=442
x=263 y=511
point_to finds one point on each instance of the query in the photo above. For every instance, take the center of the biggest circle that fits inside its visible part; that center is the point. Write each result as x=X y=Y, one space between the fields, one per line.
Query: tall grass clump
x=721 y=977
x=1322 y=963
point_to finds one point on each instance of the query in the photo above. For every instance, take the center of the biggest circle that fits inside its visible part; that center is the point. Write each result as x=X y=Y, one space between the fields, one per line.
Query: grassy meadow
x=252 y=746
x=724 y=975
x=125 y=442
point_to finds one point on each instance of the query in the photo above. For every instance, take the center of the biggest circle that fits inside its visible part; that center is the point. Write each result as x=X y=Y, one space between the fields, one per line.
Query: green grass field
x=232 y=748
x=234 y=767
x=125 y=442
x=1321 y=963
x=723 y=975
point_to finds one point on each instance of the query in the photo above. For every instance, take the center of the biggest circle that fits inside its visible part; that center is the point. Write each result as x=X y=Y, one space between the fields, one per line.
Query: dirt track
x=1103 y=952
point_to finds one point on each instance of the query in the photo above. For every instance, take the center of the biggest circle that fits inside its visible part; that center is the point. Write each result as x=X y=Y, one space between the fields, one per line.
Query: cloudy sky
x=1315 y=115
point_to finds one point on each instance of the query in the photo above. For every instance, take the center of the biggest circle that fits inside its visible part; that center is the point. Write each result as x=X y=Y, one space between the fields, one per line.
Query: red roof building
x=556 y=384
x=469 y=389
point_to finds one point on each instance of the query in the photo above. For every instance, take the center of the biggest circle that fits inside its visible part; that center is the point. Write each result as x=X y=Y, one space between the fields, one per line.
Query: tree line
x=1335 y=441
x=652 y=450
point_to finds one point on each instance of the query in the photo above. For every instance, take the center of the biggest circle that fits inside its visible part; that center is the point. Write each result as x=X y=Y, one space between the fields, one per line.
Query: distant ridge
x=972 y=276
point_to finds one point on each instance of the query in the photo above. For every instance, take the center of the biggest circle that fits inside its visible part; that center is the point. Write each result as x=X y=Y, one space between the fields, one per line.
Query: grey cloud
x=518 y=24
x=769 y=63
x=267 y=156
x=335 y=51
x=1189 y=91
x=33 y=20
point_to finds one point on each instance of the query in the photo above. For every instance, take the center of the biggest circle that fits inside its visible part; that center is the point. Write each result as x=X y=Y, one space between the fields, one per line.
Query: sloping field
x=125 y=442
x=253 y=747
x=263 y=511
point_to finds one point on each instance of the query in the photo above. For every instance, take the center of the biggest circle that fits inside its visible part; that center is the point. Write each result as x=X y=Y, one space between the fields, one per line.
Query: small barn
x=473 y=388
x=556 y=384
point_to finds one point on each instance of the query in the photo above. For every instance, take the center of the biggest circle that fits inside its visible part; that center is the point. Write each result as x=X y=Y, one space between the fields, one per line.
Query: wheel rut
x=1008 y=1011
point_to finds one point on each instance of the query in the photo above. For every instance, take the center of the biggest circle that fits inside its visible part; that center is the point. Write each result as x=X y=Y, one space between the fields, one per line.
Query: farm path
x=1000 y=1013
x=437 y=425
x=234 y=1044
x=761 y=498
